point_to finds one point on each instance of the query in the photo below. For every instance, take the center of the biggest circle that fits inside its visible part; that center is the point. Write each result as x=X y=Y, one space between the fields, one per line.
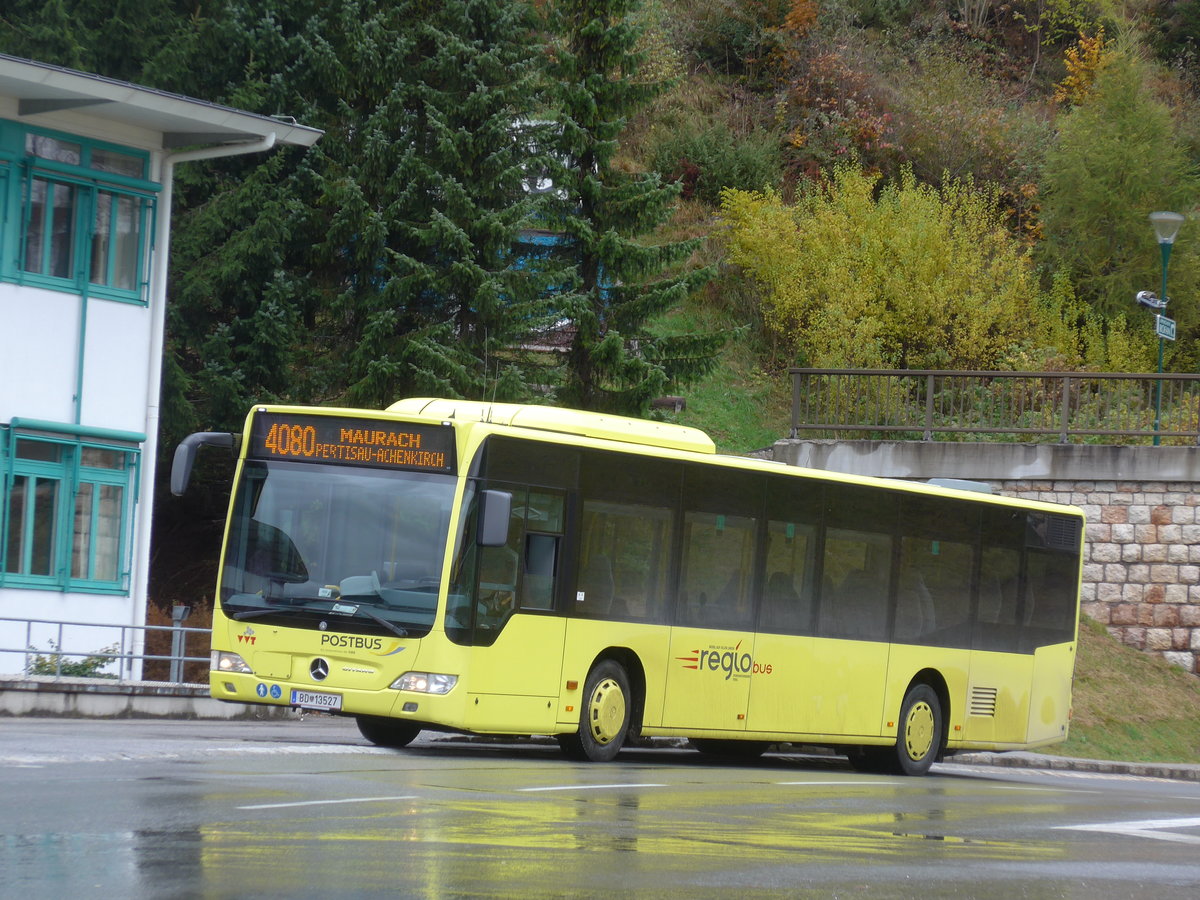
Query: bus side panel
x=708 y=679
x=998 y=699
x=847 y=687
x=783 y=684
x=1050 y=701
x=514 y=683
x=586 y=639
x=904 y=664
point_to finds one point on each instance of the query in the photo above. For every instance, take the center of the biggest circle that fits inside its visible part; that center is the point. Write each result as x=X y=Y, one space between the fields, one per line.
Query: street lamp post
x=1166 y=226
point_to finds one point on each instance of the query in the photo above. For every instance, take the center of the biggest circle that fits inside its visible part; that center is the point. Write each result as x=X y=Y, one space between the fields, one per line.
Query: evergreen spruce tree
x=383 y=261
x=113 y=38
x=445 y=154
x=613 y=363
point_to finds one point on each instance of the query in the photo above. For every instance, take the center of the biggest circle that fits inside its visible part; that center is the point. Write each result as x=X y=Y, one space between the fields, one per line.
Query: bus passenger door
x=782 y=684
x=513 y=688
x=849 y=679
x=712 y=643
x=708 y=679
x=513 y=680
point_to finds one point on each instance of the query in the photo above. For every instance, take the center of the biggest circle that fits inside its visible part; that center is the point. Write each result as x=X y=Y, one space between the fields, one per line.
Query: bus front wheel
x=919 y=737
x=603 y=717
x=383 y=732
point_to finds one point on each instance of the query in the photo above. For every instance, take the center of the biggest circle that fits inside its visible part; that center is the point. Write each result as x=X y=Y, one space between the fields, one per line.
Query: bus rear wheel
x=603 y=717
x=919 y=737
x=384 y=732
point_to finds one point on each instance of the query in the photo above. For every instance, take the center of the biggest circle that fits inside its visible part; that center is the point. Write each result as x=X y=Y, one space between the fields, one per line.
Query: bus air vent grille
x=983 y=702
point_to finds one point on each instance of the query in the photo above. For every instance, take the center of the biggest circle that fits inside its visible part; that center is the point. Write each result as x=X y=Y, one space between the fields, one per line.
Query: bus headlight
x=223 y=661
x=425 y=682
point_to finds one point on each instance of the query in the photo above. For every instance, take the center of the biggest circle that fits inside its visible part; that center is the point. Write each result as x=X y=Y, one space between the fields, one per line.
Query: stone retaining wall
x=1141 y=568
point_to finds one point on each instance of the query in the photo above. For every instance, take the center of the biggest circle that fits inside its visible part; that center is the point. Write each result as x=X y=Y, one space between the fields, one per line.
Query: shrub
x=708 y=159
x=55 y=663
x=914 y=277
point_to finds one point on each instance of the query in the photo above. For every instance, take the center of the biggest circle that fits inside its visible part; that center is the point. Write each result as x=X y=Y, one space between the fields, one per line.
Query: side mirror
x=494 y=509
x=185 y=456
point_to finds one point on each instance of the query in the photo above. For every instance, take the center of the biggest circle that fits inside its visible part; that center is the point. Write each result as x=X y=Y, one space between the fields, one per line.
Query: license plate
x=314 y=700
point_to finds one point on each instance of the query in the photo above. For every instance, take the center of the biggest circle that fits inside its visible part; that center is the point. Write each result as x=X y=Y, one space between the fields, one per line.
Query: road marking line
x=585 y=787
x=861 y=781
x=1048 y=790
x=327 y=802
x=1148 y=828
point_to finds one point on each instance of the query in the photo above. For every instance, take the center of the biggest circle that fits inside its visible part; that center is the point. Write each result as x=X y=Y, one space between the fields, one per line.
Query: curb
x=95 y=698
x=1019 y=759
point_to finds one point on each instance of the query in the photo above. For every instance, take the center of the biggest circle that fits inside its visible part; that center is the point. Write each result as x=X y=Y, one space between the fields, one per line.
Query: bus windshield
x=357 y=550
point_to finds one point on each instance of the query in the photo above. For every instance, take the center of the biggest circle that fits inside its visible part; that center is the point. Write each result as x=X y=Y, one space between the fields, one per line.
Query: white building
x=86 y=166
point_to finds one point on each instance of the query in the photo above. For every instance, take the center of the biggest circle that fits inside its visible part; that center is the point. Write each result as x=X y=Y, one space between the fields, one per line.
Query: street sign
x=1164 y=327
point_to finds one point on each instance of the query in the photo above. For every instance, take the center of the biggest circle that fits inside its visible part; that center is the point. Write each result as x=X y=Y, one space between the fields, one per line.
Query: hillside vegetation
x=929 y=185
x=1129 y=705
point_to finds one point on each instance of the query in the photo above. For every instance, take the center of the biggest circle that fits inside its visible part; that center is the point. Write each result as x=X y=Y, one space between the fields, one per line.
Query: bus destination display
x=346 y=440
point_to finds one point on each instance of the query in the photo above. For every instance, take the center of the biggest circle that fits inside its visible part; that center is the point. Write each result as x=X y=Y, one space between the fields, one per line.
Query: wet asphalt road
x=306 y=808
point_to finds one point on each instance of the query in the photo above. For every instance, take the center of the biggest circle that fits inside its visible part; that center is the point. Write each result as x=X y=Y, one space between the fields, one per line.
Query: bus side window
x=1049 y=608
x=541 y=565
x=793 y=514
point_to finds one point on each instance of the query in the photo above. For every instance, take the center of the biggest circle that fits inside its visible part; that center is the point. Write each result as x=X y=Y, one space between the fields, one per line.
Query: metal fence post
x=1065 y=420
x=795 y=404
x=179 y=612
x=928 y=407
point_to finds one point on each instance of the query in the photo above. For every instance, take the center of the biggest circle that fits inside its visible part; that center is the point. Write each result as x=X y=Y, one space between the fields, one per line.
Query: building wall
x=74 y=377
x=39 y=358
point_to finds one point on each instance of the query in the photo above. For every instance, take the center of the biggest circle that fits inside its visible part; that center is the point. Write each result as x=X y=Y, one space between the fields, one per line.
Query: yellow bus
x=504 y=569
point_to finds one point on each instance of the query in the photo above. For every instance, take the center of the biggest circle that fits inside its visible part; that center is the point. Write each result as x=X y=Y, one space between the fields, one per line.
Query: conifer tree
x=113 y=38
x=606 y=213
x=382 y=262
x=445 y=154
x=1116 y=159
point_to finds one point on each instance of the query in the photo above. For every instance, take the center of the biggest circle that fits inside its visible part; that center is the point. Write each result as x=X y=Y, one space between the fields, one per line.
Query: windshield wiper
x=395 y=629
x=261 y=611
x=390 y=626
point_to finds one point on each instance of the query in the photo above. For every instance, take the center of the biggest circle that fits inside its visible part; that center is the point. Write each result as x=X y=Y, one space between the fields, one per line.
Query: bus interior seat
x=728 y=605
x=991 y=601
x=915 y=614
x=782 y=602
x=596 y=585
x=855 y=600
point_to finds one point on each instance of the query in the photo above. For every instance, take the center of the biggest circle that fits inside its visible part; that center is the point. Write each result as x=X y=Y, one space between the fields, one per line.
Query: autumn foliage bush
x=861 y=273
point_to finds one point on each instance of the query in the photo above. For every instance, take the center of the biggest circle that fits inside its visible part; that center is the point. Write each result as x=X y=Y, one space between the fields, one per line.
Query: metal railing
x=90 y=649
x=1062 y=407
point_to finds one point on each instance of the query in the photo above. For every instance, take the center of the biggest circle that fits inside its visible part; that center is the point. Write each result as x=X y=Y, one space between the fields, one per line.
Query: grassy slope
x=1130 y=705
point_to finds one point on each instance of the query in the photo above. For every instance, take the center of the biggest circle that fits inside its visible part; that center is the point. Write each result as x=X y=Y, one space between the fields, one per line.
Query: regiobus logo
x=725 y=659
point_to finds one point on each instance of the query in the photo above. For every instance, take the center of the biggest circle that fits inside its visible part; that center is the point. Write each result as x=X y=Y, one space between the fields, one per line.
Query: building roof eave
x=41 y=89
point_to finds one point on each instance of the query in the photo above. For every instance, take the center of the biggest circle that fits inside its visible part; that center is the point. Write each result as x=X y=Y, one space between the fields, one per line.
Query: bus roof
x=563 y=421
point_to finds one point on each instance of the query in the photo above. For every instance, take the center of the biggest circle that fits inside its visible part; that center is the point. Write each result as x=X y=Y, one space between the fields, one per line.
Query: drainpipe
x=140 y=570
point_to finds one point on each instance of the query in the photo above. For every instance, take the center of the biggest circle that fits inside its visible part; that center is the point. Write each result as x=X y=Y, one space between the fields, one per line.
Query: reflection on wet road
x=314 y=812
